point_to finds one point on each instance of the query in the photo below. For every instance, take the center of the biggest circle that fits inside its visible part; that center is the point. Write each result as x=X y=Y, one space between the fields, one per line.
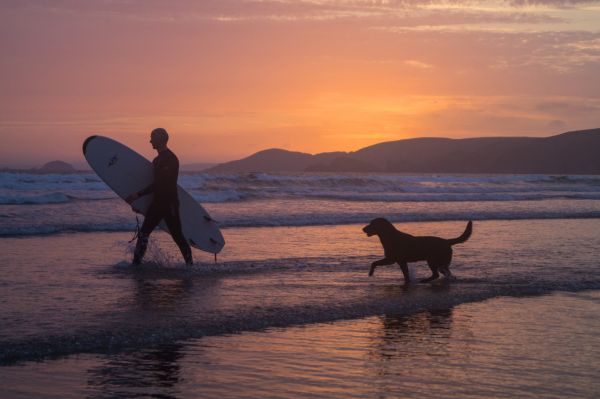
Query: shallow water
x=76 y=293
x=538 y=347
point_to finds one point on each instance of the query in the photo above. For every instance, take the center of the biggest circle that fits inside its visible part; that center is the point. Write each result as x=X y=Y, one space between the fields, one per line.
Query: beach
x=288 y=309
x=498 y=348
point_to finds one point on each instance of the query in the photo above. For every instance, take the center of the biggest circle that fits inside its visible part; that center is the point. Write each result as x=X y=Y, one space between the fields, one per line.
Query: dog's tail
x=464 y=236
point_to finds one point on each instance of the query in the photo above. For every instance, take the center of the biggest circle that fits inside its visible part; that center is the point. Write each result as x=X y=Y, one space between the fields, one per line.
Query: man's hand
x=132 y=197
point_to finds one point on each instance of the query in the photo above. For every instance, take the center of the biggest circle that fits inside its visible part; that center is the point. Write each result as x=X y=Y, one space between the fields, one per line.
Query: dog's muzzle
x=369 y=232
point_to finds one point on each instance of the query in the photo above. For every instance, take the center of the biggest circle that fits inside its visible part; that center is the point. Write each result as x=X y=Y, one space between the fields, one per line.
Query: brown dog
x=401 y=248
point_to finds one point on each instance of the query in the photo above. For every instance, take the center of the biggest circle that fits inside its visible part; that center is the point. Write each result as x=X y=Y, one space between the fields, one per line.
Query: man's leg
x=153 y=217
x=174 y=224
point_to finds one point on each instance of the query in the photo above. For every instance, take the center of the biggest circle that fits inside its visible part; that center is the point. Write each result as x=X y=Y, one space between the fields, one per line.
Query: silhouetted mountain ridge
x=576 y=152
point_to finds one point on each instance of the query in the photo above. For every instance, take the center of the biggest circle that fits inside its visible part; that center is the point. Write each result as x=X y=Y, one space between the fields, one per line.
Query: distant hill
x=268 y=160
x=575 y=152
x=56 y=167
x=49 y=167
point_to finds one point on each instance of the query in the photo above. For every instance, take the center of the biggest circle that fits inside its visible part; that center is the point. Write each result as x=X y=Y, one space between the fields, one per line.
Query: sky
x=228 y=78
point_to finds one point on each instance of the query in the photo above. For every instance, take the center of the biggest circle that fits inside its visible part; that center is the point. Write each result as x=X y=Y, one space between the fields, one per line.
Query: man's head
x=159 y=138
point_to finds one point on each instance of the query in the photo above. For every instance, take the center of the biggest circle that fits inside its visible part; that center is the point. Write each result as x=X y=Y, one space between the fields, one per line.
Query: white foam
x=50 y=198
x=210 y=188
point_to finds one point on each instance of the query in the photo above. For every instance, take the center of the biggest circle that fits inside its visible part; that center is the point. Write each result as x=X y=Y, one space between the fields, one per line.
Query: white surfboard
x=125 y=172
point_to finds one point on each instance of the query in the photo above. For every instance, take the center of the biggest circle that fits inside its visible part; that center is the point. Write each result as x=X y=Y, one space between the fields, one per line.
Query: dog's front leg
x=384 y=261
x=404 y=268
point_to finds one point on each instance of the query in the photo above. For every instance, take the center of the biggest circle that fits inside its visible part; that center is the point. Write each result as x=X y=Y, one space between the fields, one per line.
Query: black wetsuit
x=165 y=205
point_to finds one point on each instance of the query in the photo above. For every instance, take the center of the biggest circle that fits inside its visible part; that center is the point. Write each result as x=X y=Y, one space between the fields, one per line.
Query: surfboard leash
x=137 y=229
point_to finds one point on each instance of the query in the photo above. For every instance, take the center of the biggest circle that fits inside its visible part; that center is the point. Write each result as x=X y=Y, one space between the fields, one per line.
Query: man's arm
x=146 y=191
x=132 y=197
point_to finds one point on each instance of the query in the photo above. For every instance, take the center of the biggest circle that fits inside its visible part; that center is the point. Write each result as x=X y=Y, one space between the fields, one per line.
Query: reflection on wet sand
x=157 y=294
x=416 y=327
x=383 y=342
x=506 y=347
x=170 y=291
x=395 y=342
x=150 y=373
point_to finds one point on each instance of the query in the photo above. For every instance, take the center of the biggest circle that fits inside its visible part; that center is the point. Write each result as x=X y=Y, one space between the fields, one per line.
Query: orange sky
x=231 y=77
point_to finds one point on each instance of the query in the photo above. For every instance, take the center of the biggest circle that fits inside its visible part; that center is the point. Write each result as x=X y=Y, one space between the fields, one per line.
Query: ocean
x=288 y=310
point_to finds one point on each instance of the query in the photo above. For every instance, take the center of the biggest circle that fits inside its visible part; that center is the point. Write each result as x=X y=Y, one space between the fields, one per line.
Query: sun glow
x=230 y=79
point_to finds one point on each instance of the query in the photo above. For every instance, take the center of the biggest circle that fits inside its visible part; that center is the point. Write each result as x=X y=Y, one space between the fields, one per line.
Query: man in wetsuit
x=165 y=204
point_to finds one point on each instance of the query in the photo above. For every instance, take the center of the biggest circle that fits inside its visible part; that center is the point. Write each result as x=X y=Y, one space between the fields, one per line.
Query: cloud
x=479 y=116
x=569 y=107
x=229 y=11
x=562 y=52
x=418 y=64
x=552 y=3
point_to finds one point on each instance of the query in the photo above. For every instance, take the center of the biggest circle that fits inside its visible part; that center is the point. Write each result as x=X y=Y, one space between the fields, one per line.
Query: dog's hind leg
x=444 y=263
x=446 y=271
x=381 y=262
x=434 y=272
x=404 y=268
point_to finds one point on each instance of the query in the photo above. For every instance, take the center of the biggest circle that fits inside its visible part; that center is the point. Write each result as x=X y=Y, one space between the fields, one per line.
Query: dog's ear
x=381 y=222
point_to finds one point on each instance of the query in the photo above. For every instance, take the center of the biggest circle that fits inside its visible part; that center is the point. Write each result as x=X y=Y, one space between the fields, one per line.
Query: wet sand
x=538 y=347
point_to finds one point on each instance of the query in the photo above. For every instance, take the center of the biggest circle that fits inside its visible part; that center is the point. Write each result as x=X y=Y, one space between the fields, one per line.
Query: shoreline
x=273 y=277
x=52 y=232
x=75 y=293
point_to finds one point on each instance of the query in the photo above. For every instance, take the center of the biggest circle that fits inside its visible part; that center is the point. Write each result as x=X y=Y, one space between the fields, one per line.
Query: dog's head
x=377 y=226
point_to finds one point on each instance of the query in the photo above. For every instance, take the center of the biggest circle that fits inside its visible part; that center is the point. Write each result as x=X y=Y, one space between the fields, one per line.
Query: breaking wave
x=208 y=188
x=294 y=220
